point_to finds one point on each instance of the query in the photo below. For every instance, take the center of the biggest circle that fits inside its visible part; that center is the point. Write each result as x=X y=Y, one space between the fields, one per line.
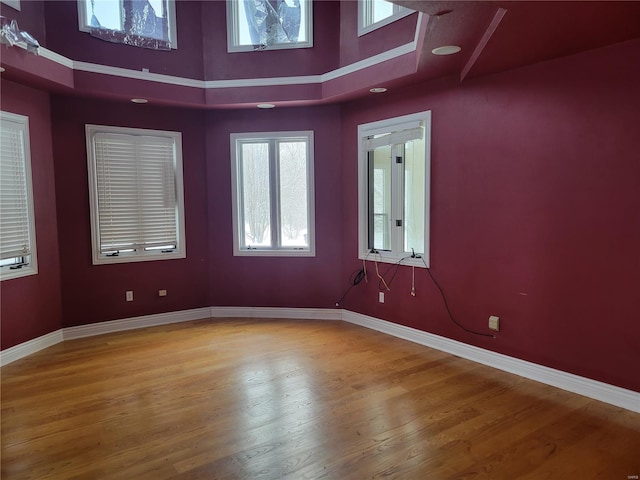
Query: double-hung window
x=149 y=23
x=136 y=194
x=269 y=24
x=373 y=14
x=272 y=186
x=17 y=227
x=393 y=171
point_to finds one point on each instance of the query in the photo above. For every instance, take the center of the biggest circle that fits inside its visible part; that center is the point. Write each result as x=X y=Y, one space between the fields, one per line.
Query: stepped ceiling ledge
x=492 y=36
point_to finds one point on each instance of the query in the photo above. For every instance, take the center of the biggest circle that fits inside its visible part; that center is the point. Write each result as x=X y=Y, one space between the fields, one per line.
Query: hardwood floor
x=272 y=399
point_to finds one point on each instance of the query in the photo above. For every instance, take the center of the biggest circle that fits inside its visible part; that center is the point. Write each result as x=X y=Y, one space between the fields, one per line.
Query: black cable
x=446 y=304
x=383 y=285
x=355 y=278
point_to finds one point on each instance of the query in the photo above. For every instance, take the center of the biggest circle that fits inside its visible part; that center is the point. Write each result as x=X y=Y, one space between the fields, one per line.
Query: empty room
x=319 y=239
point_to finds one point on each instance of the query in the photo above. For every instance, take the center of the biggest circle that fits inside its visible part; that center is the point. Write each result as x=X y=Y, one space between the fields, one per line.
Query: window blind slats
x=136 y=189
x=14 y=204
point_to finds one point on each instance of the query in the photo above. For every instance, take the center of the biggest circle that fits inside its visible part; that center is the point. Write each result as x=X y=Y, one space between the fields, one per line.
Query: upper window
x=272 y=186
x=136 y=194
x=269 y=24
x=373 y=14
x=393 y=171
x=17 y=227
x=12 y=3
x=148 y=23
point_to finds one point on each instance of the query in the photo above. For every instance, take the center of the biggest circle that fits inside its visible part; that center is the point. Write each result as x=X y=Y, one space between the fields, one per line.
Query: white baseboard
x=92 y=329
x=277 y=312
x=603 y=392
x=32 y=346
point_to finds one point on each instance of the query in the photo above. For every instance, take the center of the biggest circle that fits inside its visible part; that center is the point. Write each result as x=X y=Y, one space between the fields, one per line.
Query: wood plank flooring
x=272 y=399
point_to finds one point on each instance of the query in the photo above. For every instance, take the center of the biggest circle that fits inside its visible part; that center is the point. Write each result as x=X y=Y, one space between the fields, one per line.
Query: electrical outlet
x=494 y=323
x=162 y=293
x=381 y=297
x=129 y=296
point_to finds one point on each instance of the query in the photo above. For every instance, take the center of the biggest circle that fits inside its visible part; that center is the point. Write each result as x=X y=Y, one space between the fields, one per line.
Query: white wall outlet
x=494 y=323
x=129 y=296
x=162 y=293
x=381 y=297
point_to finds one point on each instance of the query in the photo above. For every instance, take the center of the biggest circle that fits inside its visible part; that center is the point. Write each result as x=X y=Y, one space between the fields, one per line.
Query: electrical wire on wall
x=356 y=277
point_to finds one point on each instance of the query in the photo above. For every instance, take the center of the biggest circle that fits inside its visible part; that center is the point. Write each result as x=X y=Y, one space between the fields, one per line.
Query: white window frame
x=16 y=269
x=140 y=254
x=365 y=14
x=233 y=36
x=12 y=3
x=83 y=21
x=239 y=249
x=365 y=132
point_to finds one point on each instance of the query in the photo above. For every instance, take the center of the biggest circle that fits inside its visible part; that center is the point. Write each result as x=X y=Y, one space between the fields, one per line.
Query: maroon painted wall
x=64 y=37
x=534 y=216
x=312 y=282
x=30 y=306
x=30 y=18
x=95 y=293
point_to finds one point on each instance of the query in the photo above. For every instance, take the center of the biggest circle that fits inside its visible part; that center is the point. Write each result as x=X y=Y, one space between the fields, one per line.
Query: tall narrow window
x=135 y=180
x=269 y=24
x=149 y=23
x=272 y=184
x=394 y=188
x=17 y=226
x=373 y=14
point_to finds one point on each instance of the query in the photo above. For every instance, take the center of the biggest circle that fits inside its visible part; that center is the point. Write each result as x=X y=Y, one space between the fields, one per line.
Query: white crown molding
x=603 y=392
x=237 y=83
x=30 y=347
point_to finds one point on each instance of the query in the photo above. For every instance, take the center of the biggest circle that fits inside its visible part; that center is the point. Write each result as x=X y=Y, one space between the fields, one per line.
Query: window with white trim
x=149 y=23
x=136 y=194
x=373 y=14
x=269 y=24
x=393 y=189
x=17 y=226
x=273 y=199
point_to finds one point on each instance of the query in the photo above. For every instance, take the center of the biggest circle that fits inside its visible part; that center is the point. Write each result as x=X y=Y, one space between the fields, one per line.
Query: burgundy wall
x=535 y=196
x=30 y=18
x=30 y=306
x=275 y=281
x=64 y=37
x=95 y=293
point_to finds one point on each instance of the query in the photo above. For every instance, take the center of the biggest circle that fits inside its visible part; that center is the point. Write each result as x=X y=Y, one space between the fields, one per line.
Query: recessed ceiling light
x=378 y=90
x=265 y=105
x=139 y=100
x=447 y=50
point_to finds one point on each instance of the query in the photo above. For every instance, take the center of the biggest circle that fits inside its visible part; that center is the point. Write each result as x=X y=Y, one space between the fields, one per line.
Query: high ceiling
x=500 y=35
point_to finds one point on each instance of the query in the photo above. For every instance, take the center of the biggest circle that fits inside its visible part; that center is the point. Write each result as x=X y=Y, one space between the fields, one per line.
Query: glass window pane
x=381 y=10
x=105 y=14
x=269 y=22
x=256 y=209
x=380 y=217
x=414 y=188
x=293 y=194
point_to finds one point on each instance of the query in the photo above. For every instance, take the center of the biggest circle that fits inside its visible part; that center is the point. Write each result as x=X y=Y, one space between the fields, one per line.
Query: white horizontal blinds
x=14 y=206
x=394 y=138
x=136 y=190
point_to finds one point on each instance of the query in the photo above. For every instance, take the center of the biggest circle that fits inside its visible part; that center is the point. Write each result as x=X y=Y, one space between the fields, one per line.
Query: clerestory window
x=269 y=24
x=141 y=23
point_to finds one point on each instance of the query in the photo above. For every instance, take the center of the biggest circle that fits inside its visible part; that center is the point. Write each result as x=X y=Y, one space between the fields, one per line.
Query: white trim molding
x=604 y=392
x=30 y=347
x=133 y=323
